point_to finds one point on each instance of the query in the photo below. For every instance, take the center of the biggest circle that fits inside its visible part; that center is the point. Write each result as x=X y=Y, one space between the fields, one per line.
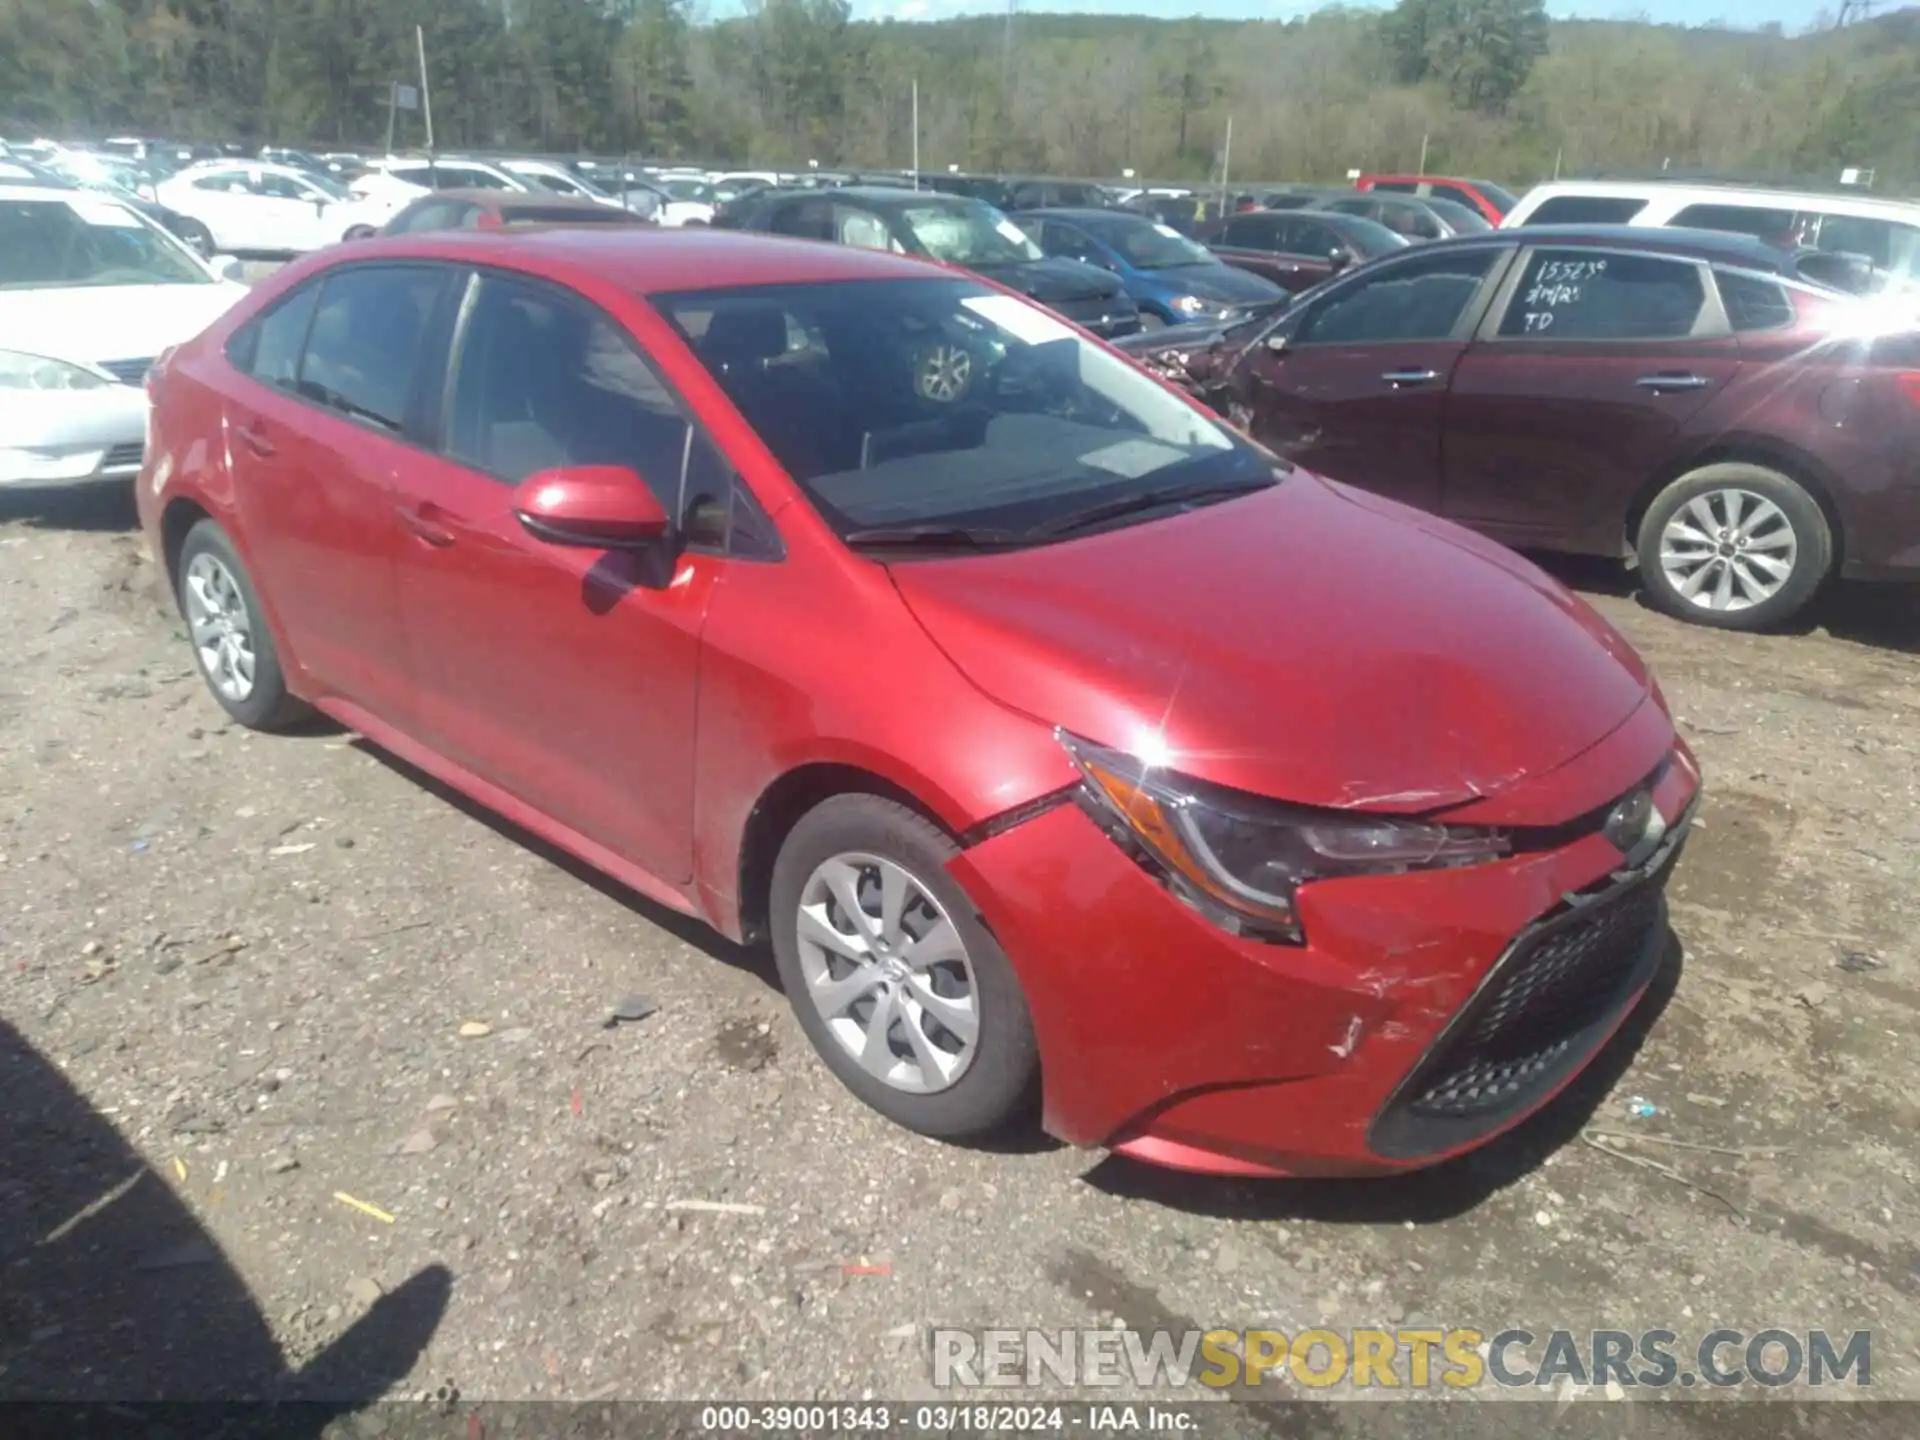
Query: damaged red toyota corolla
x=1066 y=745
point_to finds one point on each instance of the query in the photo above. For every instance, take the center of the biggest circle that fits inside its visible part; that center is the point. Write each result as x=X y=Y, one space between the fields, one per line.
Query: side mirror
x=1340 y=260
x=228 y=268
x=1279 y=342
x=601 y=507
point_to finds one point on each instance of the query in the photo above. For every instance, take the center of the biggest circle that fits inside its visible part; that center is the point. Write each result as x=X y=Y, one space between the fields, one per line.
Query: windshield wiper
x=933 y=535
x=1200 y=493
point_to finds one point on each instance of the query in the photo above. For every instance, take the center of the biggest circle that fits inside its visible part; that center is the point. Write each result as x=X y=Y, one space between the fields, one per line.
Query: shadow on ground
x=113 y=1292
x=105 y=507
x=1423 y=1197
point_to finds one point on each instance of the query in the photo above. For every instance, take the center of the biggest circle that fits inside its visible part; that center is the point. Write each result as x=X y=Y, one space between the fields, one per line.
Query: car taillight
x=1909 y=382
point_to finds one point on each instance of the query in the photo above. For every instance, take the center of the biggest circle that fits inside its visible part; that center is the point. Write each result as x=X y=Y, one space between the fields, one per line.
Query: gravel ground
x=253 y=986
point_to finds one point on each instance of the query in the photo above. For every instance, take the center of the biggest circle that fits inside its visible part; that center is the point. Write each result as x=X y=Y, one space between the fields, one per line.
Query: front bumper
x=65 y=437
x=1163 y=1037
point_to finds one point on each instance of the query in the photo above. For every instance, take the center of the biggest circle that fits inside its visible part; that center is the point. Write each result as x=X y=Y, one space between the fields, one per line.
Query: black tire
x=360 y=232
x=1151 y=321
x=197 y=236
x=1812 y=539
x=1001 y=1081
x=268 y=705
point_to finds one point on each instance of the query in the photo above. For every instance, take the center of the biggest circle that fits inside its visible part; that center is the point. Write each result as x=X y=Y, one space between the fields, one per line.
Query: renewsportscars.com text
x=1404 y=1358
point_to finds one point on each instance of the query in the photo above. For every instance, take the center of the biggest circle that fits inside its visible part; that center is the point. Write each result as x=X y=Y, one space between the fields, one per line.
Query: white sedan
x=250 y=208
x=91 y=292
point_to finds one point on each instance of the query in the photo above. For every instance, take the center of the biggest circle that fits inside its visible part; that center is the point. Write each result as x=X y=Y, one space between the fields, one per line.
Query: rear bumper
x=1165 y=1038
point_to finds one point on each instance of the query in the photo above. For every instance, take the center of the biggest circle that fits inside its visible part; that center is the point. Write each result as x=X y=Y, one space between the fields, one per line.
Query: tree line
x=1485 y=87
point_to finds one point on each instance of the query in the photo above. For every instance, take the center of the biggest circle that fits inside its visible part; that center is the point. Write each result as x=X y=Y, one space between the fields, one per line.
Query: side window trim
x=1709 y=324
x=570 y=299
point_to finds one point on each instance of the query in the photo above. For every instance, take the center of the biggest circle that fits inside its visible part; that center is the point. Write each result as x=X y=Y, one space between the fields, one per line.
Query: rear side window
x=1775 y=226
x=369 y=331
x=542 y=383
x=1586 y=210
x=1588 y=295
x=268 y=346
x=1754 y=302
x=1420 y=300
x=1398 y=187
x=1251 y=232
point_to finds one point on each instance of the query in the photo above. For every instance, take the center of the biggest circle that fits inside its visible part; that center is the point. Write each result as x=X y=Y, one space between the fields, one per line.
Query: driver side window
x=1423 y=299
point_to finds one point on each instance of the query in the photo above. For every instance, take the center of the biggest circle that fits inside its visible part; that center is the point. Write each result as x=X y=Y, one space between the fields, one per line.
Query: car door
x=1358 y=390
x=296 y=209
x=327 y=422
x=223 y=201
x=565 y=676
x=1574 y=391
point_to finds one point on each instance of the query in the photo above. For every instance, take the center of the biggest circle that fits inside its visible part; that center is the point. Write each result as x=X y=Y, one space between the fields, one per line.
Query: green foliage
x=1487 y=86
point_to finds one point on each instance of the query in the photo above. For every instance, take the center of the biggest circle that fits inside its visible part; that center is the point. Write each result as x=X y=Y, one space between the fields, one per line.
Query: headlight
x=1240 y=858
x=1188 y=305
x=20 y=371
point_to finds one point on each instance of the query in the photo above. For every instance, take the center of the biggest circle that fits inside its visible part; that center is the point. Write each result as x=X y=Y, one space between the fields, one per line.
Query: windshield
x=698 y=191
x=968 y=232
x=1498 y=196
x=909 y=403
x=1149 y=245
x=1464 y=221
x=87 y=239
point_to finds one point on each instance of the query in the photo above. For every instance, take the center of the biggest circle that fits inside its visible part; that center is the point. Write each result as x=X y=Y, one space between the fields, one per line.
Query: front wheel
x=1734 y=545
x=893 y=977
x=198 y=238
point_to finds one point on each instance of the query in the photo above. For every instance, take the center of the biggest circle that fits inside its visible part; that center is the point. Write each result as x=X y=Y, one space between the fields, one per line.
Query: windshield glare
x=1149 y=245
x=87 y=239
x=940 y=402
x=968 y=233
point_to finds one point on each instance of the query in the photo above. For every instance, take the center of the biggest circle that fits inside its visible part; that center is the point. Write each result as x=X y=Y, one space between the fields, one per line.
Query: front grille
x=128 y=372
x=1558 y=990
x=119 y=457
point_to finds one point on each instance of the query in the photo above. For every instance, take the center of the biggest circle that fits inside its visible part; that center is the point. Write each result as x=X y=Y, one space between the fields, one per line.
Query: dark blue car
x=1173 y=280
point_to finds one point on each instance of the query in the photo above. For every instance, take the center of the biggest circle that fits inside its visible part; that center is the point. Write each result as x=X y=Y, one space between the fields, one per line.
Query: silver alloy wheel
x=221 y=626
x=945 y=372
x=1728 y=549
x=888 y=972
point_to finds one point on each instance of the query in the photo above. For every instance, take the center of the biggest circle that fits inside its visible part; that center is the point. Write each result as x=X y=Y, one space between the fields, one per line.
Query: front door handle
x=421 y=522
x=1673 y=382
x=255 y=441
x=1410 y=377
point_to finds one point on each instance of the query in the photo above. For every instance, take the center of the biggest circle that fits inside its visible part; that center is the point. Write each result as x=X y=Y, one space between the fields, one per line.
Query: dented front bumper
x=1164 y=1037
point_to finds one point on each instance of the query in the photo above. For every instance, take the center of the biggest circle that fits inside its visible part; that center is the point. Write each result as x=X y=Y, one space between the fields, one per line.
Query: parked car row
x=1686 y=400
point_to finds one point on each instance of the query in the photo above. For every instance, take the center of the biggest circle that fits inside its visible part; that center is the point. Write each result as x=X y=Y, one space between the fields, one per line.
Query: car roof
x=1721 y=245
x=1761 y=196
x=651 y=260
x=518 y=198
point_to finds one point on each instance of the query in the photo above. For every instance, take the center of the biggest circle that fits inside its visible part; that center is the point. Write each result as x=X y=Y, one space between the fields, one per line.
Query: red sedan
x=1066 y=745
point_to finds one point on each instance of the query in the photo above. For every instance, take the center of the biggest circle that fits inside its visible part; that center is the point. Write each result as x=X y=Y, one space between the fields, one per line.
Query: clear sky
x=1794 y=14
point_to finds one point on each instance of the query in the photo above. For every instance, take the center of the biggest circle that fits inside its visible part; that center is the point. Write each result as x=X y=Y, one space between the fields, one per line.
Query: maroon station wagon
x=1680 y=399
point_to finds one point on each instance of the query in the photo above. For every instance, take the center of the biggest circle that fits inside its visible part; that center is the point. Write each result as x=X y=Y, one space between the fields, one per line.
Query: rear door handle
x=1673 y=382
x=1410 y=377
x=422 y=523
x=255 y=441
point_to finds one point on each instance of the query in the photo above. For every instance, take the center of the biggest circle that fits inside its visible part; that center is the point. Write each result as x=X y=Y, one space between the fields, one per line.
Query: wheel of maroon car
x=231 y=642
x=1734 y=545
x=898 y=984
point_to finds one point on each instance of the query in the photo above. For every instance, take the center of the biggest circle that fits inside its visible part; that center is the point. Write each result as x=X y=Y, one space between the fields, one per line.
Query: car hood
x=1053 y=281
x=1308 y=642
x=1222 y=284
x=110 y=322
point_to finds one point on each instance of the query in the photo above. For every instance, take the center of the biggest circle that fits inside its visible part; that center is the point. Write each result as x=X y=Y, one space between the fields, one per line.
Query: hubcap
x=1728 y=549
x=888 y=972
x=221 y=627
x=945 y=372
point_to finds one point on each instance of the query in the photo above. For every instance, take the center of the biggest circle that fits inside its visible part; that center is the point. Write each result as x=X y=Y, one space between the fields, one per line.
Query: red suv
x=1065 y=743
x=1676 y=398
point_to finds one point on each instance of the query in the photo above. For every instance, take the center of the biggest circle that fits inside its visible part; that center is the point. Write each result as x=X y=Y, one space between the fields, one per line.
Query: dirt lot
x=252 y=959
